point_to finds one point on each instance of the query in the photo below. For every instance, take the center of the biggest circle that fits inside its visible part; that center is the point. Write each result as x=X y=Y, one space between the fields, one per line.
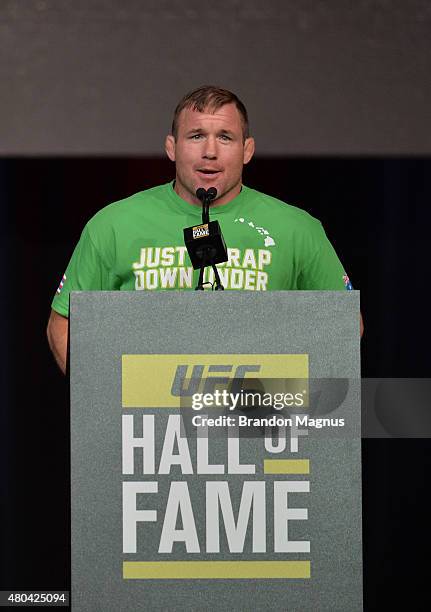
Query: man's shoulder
x=148 y=196
x=124 y=209
x=284 y=211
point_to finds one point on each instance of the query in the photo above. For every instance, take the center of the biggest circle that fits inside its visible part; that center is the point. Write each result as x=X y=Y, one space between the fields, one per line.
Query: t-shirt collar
x=197 y=210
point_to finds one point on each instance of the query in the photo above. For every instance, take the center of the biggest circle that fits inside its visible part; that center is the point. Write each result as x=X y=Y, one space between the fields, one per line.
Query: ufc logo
x=188 y=380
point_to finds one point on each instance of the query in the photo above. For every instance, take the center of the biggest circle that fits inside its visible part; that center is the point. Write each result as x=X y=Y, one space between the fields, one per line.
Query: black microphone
x=205 y=243
x=212 y=193
x=206 y=197
x=202 y=193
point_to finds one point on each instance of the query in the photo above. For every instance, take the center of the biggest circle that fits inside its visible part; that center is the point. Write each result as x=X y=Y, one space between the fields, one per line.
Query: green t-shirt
x=137 y=244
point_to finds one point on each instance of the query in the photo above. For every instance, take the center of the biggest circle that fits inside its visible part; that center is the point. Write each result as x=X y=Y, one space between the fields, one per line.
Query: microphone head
x=212 y=193
x=201 y=193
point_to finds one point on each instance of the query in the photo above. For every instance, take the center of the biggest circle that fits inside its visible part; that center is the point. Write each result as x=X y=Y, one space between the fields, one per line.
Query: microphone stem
x=206 y=210
x=200 y=285
x=218 y=285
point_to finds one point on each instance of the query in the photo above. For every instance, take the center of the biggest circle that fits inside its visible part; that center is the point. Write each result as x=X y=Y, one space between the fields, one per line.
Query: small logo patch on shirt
x=347 y=283
x=60 y=286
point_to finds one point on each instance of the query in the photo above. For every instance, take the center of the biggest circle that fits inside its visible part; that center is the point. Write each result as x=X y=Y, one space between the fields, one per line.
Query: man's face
x=209 y=152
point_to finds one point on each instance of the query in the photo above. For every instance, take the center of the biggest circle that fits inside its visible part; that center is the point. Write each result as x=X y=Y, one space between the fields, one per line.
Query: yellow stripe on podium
x=286 y=466
x=187 y=570
x=147 y=380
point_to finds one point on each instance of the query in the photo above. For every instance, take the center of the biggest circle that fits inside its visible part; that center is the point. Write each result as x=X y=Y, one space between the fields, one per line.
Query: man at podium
x=137 y=243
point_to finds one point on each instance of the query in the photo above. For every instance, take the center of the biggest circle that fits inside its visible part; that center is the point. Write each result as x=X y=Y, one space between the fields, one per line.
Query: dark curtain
x=376 y=213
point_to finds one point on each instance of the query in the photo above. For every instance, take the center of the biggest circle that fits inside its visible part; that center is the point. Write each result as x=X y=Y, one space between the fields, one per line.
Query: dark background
x=376 y=213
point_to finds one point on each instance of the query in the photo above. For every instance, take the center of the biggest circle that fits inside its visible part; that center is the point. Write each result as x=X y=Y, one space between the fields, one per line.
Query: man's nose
x=210 y=148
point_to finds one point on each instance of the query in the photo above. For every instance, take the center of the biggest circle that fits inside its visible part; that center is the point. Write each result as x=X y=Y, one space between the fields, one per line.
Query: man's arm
x=57 y=332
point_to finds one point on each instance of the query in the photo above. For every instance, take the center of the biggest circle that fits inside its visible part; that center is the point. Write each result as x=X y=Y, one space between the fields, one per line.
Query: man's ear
x=170 y=147
x=249 y=147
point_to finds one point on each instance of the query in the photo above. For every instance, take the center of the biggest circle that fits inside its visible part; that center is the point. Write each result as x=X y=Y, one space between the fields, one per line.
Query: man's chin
x=209 y=183
x=188 y=193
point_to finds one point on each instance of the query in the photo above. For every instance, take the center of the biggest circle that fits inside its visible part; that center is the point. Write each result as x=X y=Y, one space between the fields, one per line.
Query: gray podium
x=183 y=499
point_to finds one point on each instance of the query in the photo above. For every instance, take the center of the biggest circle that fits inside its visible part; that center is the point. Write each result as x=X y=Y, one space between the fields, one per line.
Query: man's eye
x=196 y=136
x=225 y=137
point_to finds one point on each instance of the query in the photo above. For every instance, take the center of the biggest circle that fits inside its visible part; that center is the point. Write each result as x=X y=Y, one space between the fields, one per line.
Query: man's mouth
x=208 y=172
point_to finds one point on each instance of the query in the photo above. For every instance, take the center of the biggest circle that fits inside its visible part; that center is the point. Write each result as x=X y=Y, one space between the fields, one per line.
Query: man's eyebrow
x=199 y=130
x=194 y=130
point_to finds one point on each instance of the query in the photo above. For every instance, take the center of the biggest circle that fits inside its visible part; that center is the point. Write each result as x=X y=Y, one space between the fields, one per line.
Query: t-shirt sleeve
x=322 y=270
x=85 y=272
